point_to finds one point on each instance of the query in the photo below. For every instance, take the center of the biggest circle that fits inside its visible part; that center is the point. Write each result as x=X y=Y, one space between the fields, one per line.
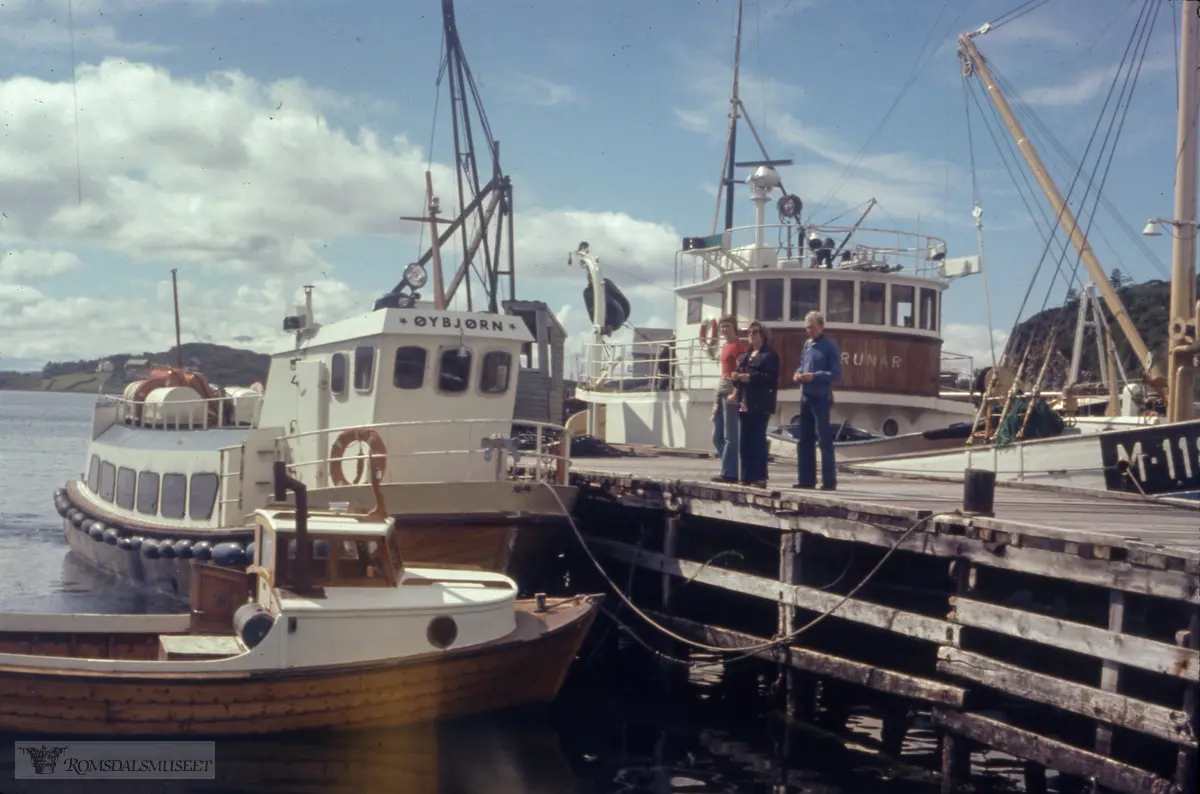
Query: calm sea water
x=616 y=728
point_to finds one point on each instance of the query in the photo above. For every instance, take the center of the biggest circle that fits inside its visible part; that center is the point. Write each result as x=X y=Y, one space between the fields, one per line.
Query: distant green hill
x=1147 y=304
x=221 y=365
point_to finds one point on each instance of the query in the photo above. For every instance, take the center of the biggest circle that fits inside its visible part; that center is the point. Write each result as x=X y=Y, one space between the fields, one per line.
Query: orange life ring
x=708 y=329
x=366 y=436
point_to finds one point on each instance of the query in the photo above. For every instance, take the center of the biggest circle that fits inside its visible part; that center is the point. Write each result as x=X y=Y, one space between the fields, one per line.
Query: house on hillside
x=137 y=369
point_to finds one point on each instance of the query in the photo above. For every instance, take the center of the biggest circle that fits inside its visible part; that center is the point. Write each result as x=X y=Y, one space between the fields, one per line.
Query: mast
x=1181 y=373
x=484 y=206
x=973 y=62
x=178 y=343
x=735 y=102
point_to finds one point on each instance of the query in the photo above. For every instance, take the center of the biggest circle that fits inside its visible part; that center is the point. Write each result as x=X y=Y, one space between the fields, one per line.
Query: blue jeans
x=754 y=445
x=726 y=437
x=815 y=429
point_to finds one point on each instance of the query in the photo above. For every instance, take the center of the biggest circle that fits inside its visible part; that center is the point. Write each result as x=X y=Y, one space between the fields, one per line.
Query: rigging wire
x=1074 y=181
x=1017 y=13
x=443 y=61
x=1123 y=98
x=1030 y=115
x=1120 y=127
x=915 y=72
x=75 y=103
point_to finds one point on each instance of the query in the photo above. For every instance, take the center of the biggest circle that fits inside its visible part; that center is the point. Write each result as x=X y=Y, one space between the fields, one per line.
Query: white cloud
x=1089 y=84
x=241 y=184
x=27 y=266
x=539 y=91
x=971 y=339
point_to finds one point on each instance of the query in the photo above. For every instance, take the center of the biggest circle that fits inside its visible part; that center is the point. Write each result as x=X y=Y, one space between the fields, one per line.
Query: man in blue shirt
x=820 y=368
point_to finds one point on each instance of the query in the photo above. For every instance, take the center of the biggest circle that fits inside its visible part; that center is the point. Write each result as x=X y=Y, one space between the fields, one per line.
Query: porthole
x=442 y=632
x=891 y=427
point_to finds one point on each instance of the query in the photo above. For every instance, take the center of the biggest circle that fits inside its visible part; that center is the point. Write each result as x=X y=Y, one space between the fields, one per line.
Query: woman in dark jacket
x=757 y=379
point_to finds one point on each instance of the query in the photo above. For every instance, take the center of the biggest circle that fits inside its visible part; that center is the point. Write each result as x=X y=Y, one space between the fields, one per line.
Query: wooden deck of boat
x=1120 y=517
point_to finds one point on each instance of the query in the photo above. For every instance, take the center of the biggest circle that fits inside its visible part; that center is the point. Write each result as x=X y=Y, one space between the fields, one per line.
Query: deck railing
x=867 y=248
x=672 y=366
x=548 y=445
x=198 y=414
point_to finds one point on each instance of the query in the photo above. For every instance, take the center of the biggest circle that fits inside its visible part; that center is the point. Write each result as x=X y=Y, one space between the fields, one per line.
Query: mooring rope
x=745 y=651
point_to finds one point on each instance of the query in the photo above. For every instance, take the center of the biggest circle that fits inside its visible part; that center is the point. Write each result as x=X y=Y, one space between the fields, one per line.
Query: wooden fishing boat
x=326 y=630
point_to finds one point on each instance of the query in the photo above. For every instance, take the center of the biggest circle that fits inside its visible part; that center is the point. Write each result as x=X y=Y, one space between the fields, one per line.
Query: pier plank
x=1157 y=657
x=1052 y=753
x=866 y=675
x=1116 y=517
x=1109 y=707
x=888 y=618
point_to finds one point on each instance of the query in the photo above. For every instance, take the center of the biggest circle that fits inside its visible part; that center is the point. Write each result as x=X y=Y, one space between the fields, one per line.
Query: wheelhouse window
x=493 y=375
x=126 y=485
x=839 y=298
x=147 y=493
x=454 y=370
x=806 y=296
x=871 y=303
x=409 y=369
x=903 y=306
x=364 y=367
x=741 y=303
x=695 y=311
x=94 y=474
x=174 y=495
x=929 y=309
x=202 y=497
x=337 y=374
x=108 y=477
x=769 y=305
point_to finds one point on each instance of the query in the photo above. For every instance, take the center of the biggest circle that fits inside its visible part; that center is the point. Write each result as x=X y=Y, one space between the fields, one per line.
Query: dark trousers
x=753 y=445
x=814 y=430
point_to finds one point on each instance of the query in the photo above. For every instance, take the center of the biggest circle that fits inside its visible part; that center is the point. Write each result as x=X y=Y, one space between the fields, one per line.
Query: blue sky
x=258 y=145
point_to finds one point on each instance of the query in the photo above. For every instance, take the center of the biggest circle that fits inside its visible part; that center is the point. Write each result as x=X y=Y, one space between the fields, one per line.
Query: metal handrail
x=790 y=243
x=128 y=411
x=503 y=447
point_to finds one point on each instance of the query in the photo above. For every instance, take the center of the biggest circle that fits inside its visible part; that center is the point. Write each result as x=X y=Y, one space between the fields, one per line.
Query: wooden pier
x=1062 y=630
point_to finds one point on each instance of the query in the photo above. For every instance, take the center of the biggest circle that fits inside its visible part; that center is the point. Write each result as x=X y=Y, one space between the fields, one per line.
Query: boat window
x=769 y=304
x=126 y=483
x=493 y=376
x=94 y=474
x=364 y=367
x=741 y=303
x=929 y=309
x=870 y=303
x=695 y=310
x=264 y=550
x=902 y=306
x=337 y=374
x=806 y=296
x=454 y=370
x=147 y=493
x=409 y=369
x=174 y=492
x=393 y=548
x=108 y=476
x=203 y=496
x=839 y=300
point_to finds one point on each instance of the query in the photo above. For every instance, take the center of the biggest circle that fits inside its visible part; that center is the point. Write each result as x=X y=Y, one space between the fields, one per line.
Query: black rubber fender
x=97 y=531
x=150 y=549
x=111 y=536
x=202 y=550
x=183 y=549
x=230 y=553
